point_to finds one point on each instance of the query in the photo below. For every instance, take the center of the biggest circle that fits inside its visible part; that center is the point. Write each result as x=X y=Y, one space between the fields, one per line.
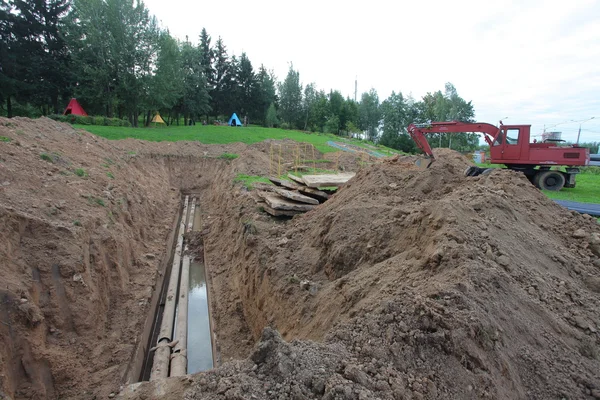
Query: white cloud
x=536 y=62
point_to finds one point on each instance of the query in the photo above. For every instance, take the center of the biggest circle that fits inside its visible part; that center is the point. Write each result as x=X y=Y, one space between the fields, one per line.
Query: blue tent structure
x=234 y=120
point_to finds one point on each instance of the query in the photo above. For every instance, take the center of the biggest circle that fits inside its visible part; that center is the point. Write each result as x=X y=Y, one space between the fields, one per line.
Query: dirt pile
x=433 y=284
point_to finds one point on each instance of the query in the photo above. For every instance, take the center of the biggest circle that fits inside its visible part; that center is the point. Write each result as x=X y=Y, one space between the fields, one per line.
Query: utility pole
x=579 y=133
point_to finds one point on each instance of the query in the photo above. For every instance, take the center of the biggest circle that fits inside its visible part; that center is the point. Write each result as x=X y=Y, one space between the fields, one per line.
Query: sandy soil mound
x=433 y=284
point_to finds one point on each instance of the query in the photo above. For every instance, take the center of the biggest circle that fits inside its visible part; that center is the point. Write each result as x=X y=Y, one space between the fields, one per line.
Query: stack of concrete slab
x=299 y=194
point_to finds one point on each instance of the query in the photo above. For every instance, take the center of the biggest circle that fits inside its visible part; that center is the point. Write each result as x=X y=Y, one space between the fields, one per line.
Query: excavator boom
x=418 y=132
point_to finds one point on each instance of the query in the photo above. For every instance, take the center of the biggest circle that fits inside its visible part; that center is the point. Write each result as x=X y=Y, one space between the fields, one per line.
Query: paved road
x=584 y=208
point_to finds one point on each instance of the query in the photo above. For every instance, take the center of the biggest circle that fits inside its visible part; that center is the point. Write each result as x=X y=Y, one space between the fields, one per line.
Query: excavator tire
x=473 y=171
x=549 y=180
x=470 y=171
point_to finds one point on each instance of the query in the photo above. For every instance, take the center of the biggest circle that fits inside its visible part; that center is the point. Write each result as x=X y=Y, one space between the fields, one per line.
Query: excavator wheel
x=473 y=171
x=549 y=180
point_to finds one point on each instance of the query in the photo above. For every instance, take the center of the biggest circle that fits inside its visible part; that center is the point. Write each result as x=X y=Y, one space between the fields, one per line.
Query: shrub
x=46 y=157
x=80 y=172
x=96 y=200
x=228 y=156
x=5 y=139
x=59 y=117
x=590 y=170
x=80 y=119
x=284 y=125
x=90 y=120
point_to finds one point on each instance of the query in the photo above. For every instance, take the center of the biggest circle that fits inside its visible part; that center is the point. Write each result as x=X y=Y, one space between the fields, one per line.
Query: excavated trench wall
x=83 y=256
x=76 y=292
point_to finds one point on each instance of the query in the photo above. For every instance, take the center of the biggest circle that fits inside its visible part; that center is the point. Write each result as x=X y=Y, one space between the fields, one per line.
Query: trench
x=180 y=340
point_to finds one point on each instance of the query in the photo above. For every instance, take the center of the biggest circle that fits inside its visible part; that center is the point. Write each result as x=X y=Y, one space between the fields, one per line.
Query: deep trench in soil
x=199 y=335
x=83 y=260
x=405 y=284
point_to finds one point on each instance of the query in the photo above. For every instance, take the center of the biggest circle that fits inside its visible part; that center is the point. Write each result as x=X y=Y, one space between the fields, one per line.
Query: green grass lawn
x=211 y=134
x=587 y=190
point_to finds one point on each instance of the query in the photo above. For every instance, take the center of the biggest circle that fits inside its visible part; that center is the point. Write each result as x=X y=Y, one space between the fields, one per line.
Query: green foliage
x=271 y=119
x=590 y=170
x=96 y=120
x=76 y=222
x=96 y=200
x=81 y=172
x=249 y=180
x=47 y=157
x=33 y=55
x=195 y=100
x=228 y=156
x=396 y=118
x=110 y=175
x=290 y=98
x=369 y=113
x=351 y=128
x=333 y=125
x=593 y=146
x=319 y=161
x=448 y=106
x=266 y=95
x=249 y=227
x=5 y=139
x=398 y=112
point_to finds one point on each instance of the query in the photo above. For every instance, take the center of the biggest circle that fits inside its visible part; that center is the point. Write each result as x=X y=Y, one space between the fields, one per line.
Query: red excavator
x=509 y=145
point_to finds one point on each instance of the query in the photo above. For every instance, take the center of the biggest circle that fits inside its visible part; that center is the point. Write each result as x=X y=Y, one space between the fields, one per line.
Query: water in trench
x=199 y=352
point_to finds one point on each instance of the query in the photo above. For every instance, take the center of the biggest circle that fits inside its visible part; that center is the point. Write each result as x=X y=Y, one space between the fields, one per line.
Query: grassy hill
x=210 y=134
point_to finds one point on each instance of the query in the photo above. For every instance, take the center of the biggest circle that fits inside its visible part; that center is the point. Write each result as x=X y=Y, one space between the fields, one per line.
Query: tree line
x=113 y=56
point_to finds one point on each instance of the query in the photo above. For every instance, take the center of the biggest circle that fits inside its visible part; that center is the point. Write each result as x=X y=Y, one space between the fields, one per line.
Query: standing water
x=199 y=351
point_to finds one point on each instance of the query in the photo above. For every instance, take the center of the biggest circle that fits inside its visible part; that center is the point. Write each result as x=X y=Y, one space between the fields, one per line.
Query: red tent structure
x=74 y=108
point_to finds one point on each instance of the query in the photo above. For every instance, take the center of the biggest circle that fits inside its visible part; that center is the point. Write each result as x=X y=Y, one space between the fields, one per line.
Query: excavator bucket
x=424 y=163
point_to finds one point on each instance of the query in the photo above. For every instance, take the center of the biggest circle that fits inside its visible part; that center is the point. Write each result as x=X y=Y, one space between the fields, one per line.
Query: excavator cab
x=509 y=142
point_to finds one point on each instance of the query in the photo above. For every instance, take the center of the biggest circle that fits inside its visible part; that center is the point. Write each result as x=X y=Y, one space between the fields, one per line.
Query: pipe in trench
x=162 y=355
x=179 y=358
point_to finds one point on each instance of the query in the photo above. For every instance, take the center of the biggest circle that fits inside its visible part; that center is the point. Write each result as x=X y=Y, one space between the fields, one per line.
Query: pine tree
x=206 y=58
x=220 y=66
x=271 y=119
x=196 y=100
x=290 y=98
x=33 y=53
x=267 y=92
x=247 y=88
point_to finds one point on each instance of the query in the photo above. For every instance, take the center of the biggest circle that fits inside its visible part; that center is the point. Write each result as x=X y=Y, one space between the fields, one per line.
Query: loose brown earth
x=421 y=284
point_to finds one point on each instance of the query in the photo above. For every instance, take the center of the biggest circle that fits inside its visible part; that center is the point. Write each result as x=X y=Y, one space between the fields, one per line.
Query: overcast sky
x=535 y=62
